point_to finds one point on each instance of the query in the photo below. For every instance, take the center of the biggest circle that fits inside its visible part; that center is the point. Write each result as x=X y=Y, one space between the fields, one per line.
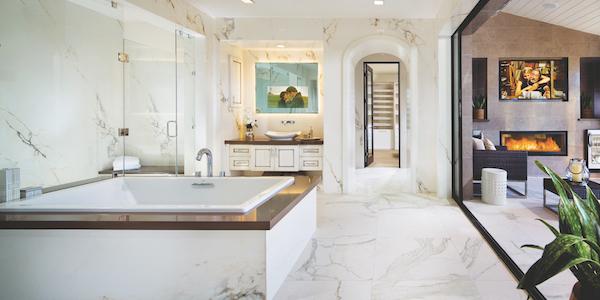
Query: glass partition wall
x=517 y=101
x=86 y=84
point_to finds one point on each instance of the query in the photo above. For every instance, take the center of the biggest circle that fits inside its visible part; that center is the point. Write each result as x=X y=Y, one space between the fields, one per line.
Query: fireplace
x=537 y=143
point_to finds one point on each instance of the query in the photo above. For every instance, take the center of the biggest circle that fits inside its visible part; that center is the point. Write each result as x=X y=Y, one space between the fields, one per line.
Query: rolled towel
x=124 y=163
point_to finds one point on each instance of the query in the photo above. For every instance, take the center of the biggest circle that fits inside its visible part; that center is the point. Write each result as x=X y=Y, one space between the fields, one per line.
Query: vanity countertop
x=267 y=141
x=263 y=217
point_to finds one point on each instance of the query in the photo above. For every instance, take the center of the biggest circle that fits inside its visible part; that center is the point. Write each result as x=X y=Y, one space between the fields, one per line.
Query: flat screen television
x=534 y=79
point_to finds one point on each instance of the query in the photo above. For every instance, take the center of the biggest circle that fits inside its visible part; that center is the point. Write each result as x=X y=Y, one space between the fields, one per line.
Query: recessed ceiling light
x=248 y=1
x=550 y=5
x=378 y=2
x=280 y=46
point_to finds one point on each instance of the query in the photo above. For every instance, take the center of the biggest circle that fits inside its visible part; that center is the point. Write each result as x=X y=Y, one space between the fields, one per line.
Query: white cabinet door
x=262 y=158
x=286 y=158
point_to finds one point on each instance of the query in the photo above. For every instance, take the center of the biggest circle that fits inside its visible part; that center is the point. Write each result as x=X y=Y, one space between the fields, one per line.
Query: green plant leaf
x=567 y=213
x=557 y=257
x=532 y=246
x=588 y=223
x=554 y=230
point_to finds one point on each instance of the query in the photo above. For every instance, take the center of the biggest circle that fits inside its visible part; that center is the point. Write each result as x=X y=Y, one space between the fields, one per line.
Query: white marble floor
x=515 y=224
x=385 y=243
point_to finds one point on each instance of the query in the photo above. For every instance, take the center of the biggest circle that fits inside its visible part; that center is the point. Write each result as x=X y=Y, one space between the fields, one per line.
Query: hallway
x=384 y=243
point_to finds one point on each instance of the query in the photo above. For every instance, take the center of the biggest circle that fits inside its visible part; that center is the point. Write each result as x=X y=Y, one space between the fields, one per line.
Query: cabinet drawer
x=311 y=150
x=311 y=163
x=239 y=150
x=239 y=163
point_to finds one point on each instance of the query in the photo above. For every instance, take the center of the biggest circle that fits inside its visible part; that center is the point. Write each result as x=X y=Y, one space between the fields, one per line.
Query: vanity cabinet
x=275 y=158
x=282 y=158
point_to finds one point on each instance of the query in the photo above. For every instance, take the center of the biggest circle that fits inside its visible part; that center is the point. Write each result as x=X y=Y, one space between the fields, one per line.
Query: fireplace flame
x=547 y=144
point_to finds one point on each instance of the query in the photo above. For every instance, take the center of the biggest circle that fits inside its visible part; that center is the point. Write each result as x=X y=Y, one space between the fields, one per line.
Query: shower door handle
x=169 y=129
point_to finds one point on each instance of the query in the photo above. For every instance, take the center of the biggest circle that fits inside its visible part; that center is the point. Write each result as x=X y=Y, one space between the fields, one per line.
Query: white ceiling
x=273 y=45
x=582 y=15
x=414 y=9
x=384 y=68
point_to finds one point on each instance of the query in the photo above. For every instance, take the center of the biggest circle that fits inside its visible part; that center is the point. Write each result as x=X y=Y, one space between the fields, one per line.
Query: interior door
x=368 y=115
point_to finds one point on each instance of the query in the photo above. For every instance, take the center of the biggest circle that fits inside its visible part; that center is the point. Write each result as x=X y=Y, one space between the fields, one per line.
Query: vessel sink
x=282 y=135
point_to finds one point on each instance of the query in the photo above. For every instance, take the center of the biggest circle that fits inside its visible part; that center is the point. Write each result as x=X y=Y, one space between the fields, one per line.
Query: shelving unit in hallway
x=384 y=106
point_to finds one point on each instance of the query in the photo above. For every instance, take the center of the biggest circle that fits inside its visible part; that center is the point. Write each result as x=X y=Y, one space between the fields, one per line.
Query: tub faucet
x=209 y=162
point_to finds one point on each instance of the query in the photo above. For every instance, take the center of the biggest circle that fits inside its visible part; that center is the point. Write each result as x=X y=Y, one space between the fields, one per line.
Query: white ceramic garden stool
x=493 y=186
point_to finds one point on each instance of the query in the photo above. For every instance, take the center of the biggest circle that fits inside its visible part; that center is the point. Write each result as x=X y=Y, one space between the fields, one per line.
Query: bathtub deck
x=263 y=217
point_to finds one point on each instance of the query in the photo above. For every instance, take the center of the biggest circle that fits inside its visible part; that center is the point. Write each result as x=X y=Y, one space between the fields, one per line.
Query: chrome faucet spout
x=209 y=165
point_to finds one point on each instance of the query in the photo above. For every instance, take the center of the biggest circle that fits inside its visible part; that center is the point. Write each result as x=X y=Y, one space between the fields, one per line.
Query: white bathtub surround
x=154 y=264
x=384 y=243
x=158 y=194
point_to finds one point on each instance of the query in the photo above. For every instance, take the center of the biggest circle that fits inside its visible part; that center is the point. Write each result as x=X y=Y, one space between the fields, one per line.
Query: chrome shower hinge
x=123 y=57
x=123 y=131
x=113 y=3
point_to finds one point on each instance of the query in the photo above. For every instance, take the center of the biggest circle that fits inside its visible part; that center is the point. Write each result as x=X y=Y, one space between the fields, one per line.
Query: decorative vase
x=249 y=133
x=587 y=113
x=577 y=171
x=478 y=114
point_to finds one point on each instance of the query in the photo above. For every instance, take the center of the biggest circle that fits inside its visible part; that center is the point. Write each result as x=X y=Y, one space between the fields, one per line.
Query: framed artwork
x=287 y=88
x=235 y=81
x=534 y=79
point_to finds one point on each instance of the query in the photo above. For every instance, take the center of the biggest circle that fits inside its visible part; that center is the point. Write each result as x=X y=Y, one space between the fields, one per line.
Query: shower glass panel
x=76 y=73
x=186 y=44
x=152 y=114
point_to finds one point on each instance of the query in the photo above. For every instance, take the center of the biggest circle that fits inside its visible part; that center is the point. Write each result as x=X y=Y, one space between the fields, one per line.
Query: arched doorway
x=407 y=55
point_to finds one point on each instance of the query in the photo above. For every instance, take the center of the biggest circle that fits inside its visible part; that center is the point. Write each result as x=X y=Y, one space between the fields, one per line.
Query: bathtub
x=158 y=194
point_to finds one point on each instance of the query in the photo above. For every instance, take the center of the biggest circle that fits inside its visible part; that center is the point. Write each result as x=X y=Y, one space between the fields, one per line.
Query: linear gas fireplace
x=537 y=143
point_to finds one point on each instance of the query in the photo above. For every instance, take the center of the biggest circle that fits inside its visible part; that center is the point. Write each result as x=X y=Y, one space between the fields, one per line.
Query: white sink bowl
x=282 y=135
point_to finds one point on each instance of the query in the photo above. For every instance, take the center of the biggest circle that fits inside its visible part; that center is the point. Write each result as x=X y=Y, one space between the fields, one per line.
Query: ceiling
x=275 y=44
x=421 y=9
x=384 y=68
x=582 y=15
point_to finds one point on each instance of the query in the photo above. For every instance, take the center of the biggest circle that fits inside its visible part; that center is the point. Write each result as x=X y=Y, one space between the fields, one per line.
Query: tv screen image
x=533 y=79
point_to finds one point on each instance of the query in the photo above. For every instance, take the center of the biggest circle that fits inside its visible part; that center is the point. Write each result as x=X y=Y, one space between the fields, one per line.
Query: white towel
x=126 y=163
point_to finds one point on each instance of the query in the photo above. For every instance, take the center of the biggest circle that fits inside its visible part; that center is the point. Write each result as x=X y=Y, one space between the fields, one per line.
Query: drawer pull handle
x=311 y=150
x=241 y=163
x=238 y=150
x=311 y=163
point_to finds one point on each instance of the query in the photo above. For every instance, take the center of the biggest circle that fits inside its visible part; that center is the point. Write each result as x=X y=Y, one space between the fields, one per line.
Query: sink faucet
x=209 y=165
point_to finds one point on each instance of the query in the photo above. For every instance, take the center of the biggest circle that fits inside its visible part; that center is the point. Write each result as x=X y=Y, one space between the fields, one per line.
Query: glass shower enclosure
x=90 y=85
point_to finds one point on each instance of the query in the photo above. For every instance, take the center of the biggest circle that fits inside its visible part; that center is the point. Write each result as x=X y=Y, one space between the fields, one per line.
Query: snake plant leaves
x=532 y=246
x=568 y=220
x=588 y=223
x=556 y=258
x=554 y=230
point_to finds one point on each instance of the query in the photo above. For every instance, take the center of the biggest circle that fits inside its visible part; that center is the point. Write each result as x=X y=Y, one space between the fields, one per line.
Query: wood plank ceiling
x=582 y=15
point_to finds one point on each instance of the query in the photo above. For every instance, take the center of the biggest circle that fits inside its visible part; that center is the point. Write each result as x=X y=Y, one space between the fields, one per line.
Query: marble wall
x=338 y=35
x=64 y=93
x=60 y=95
x=496 y=40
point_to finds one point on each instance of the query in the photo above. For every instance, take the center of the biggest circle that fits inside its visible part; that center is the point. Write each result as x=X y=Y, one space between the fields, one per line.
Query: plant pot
x=478 y=113
x=578 y=293
x=587 y=113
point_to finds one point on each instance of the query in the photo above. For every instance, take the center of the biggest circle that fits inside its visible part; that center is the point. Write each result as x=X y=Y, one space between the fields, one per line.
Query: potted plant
x=587 y=106
x=576 y=243
x=479 y=107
